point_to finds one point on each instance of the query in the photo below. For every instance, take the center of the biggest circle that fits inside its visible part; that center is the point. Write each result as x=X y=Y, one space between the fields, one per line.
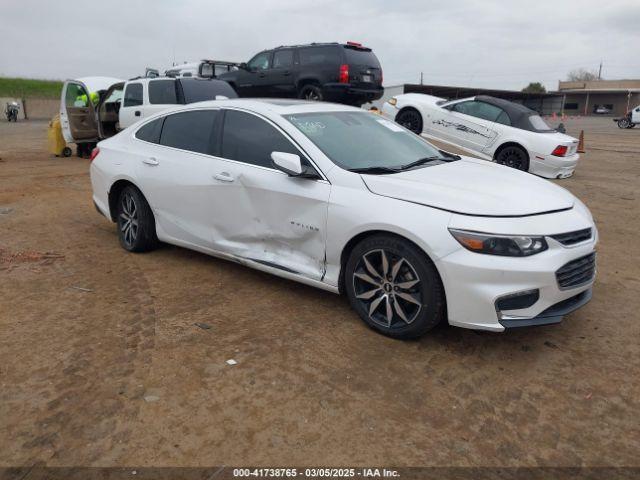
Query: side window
x=317 y=55
x=150 y=132
x=464 y=107
x=249 y=139
x=259 y=62
x=504 y=119
x=162 y=92
x=189 y=130
x=76 y=96
x=133 y=95
x=282 y=58
x=479 y=110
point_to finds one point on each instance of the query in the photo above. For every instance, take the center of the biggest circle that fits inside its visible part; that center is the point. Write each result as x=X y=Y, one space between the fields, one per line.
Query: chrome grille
x=577 y=272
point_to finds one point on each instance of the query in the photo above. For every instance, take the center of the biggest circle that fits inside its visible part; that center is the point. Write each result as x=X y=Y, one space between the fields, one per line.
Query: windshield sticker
x=308 y=127
x=390 y=125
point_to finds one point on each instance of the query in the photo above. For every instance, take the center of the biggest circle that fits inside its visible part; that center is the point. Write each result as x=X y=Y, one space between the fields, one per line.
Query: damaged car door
x=270 y=218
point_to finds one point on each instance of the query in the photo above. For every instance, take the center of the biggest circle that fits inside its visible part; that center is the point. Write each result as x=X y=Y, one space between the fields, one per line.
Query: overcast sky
x=483 y=43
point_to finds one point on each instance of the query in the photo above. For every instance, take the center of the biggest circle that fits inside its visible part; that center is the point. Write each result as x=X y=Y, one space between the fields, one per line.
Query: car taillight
x=343 y=77
x=94 y=153
x=560 y=151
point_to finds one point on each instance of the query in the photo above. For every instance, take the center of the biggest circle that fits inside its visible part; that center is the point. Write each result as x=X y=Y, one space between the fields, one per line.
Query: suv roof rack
x=307 y=45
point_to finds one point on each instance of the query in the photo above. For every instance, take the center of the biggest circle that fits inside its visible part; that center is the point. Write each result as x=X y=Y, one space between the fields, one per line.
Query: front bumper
x=474 y=283
x=551 y=315
x=389 y=111
x=550 y=166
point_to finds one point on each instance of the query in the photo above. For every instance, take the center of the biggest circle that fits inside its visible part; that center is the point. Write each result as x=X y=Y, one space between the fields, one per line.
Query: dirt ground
x=101 y=362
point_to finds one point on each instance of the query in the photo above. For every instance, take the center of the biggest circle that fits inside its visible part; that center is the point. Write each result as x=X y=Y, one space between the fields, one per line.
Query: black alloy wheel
x=410 y=119
x=514 y=157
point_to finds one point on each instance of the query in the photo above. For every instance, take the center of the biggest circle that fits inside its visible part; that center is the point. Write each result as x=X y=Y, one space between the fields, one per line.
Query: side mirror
x=243 y=66
x=288 y=163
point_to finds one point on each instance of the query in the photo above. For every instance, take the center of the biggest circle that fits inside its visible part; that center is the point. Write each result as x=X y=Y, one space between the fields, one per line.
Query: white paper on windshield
x=391 y=126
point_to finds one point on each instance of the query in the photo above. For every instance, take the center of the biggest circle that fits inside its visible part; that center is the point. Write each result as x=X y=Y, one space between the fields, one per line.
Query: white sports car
x=344 y=200
x=490 y=128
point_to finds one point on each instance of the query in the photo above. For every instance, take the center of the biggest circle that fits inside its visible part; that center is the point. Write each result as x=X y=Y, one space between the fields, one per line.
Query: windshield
x=361 y=140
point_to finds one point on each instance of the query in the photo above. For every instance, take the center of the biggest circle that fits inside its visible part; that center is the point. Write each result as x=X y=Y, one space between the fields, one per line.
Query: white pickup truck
x=95 y=108
x=630 y=120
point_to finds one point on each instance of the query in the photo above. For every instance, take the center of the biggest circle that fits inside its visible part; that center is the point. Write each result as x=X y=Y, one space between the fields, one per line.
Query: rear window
x=199 y=90
x=150 y=132
x=189 y=130
x=356 y=56
x=319 y=55
x=163 y=92
x=538 y=123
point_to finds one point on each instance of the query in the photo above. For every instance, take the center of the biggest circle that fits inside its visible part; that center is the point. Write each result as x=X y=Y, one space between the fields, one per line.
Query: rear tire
x=410 y=119
x=514 y=157
x=135 y=220
x=311 y=92
x=394 y=287
x=66 y=152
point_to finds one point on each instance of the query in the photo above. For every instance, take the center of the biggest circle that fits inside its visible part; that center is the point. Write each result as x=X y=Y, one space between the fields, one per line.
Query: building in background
x=615 y=97
x=602 y=97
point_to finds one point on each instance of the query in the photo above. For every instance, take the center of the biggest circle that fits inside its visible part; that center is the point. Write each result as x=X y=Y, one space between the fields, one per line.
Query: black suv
x=346 y=73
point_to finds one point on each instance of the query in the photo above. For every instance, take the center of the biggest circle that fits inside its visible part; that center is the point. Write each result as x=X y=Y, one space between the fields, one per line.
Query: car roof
x=278 y=106
x=519 y=114
x=95 y=84
x=510 y=107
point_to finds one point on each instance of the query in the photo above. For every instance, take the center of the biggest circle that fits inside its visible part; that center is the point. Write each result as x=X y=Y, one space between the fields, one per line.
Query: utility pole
x=421 y=79
x=600 y=71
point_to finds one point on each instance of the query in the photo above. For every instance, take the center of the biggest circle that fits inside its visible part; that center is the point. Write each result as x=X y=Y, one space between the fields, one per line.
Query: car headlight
x=505 y=245
x=392 y=101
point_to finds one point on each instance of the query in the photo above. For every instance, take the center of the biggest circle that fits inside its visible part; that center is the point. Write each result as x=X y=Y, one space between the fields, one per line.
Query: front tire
x=514 y=157
x=410 y=119
x=623 y=123
x=135 y=220
x=394 y=287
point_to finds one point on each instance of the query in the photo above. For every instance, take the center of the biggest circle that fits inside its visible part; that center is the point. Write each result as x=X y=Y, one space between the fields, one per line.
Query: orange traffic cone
x=581 y=142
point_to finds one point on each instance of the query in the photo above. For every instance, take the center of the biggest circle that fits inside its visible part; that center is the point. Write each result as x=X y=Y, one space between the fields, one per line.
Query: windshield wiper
x=421 y=161
x=374 y=170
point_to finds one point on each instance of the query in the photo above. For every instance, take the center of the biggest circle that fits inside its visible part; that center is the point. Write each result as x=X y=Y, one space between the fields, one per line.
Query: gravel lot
x=101 y=362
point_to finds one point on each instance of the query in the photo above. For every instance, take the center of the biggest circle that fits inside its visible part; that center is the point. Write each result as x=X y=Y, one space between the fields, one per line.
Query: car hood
x=473 y=187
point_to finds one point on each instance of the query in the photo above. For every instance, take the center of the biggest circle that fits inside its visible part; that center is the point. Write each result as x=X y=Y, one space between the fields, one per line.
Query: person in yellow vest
x=84 y=149
x=81 y=100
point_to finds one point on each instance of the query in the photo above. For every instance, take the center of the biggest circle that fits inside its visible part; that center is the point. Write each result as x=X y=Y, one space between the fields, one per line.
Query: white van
x=122 y=103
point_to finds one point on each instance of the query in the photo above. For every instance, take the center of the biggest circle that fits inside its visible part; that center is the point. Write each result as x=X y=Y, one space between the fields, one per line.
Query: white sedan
x=489 y=128
x=344 y=200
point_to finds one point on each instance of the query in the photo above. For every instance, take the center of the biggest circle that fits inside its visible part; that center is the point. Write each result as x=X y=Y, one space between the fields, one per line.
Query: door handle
x=137 y=113
x=224 y=177
x=150 y=161
x=286 y=73
x=261 y=75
